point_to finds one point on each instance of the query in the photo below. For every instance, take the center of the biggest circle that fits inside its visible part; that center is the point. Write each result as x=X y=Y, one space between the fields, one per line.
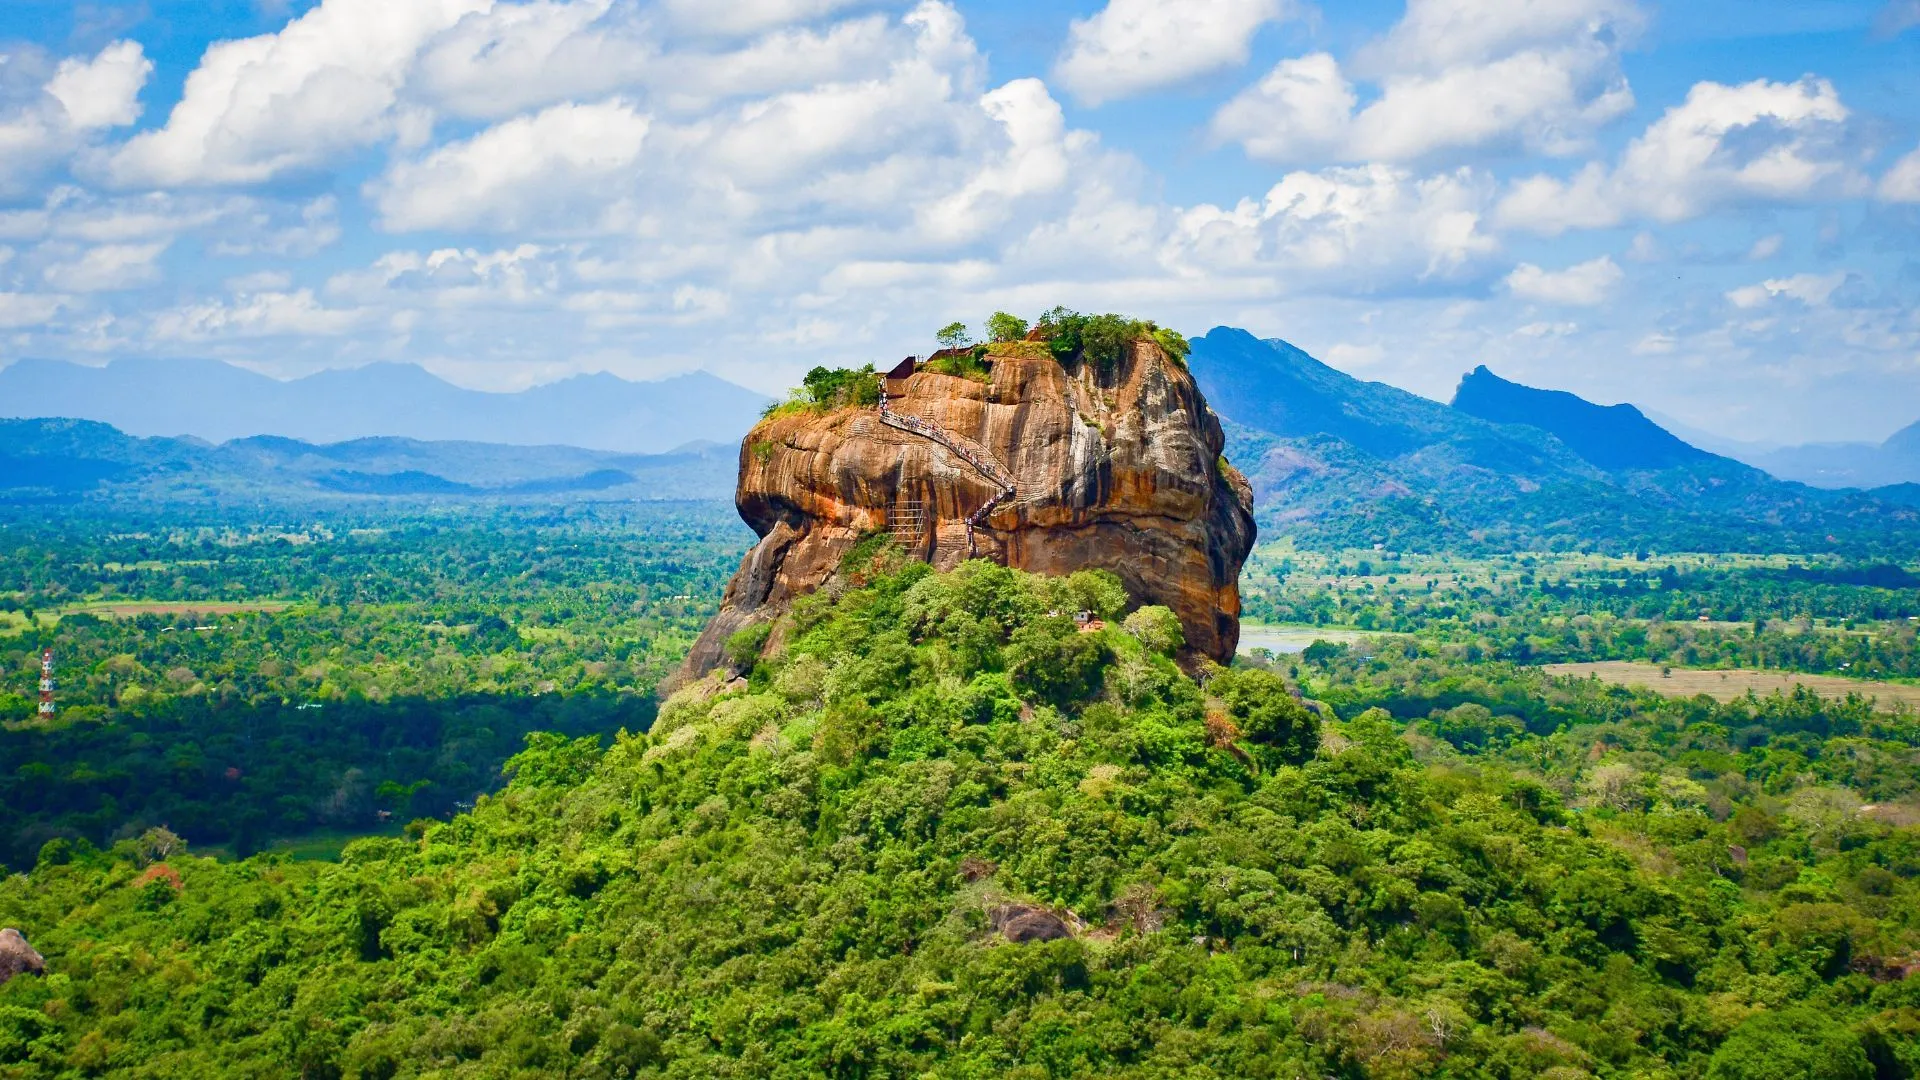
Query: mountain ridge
x=220 y=402
x=1611 y=437
x=66 y=459
x=1448 y=479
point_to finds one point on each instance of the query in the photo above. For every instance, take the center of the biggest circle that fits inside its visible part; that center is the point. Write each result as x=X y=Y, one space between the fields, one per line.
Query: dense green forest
x=247 y=682
x=1819 y=616
x=945 y=832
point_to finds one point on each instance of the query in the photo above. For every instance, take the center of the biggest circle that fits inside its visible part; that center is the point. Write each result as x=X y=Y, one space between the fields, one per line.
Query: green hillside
x=947 y=833
x=68 y=461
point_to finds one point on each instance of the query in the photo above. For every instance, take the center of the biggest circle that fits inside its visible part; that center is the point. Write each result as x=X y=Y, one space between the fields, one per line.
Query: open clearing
x=122 y=609
x=1731 y=684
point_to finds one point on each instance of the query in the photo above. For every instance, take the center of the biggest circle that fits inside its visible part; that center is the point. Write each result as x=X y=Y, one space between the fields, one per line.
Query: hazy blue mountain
x=71 y=459
x=1825 y=465
x=1334 y=459
x=1613 y=437
x=1739 y=449
x=1829 y=465
x=1834 y=465
x=1905 y=442
x=220 y=402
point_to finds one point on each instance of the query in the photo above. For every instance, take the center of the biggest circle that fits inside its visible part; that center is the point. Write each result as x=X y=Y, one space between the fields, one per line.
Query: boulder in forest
x=17 y=957
x=1025 y=923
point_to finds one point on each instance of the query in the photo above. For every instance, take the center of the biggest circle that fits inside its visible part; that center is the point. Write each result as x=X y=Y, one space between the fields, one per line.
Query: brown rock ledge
x=1118 y=469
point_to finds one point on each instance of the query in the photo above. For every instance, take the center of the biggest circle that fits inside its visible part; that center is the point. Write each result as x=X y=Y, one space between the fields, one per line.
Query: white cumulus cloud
x=263 y=106
x=554 y=164
x=1358 y=228
x=107 y=267
x=27 y=309
x=1035 y=161
x=103 y=92
x=1901 y=184
x=1586 y=284
x=1435 y=35
x=1760 y=141
x=54 y=119
x=1132 y=46
x=1453 y=74
x=1301 y=109
x=1813 y=290
x=748 y=16
x=497 y=62
x=259 y=315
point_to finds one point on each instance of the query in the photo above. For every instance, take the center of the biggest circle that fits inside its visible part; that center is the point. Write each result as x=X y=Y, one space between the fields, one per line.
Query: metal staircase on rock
x=983 y=461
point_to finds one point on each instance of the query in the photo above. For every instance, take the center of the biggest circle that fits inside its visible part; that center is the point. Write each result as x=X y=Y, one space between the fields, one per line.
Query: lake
x=1293 y=639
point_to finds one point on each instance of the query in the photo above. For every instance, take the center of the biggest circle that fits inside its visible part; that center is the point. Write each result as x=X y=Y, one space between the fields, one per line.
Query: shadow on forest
x=241 y=774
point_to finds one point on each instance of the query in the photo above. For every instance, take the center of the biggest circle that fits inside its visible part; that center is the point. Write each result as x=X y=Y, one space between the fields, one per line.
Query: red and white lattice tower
x=46 y=682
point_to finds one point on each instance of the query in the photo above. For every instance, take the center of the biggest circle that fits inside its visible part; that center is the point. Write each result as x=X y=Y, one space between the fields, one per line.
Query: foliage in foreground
x=799 y=876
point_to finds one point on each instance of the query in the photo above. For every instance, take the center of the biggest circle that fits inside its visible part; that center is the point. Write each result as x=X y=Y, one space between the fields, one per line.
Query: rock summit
x=1041 y=464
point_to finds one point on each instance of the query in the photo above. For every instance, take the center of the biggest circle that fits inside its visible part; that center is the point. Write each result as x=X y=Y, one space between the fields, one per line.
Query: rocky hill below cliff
x=1041 y=462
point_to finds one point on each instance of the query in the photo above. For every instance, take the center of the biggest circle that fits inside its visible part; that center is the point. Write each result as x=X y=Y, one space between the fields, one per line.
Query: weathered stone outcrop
x=17 y=957
x=1117 y=469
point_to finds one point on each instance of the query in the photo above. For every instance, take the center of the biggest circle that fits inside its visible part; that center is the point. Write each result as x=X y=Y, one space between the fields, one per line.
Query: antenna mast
x=46 y=683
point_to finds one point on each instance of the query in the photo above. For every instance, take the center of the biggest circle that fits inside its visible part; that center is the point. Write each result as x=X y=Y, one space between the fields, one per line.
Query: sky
x=1709 y=208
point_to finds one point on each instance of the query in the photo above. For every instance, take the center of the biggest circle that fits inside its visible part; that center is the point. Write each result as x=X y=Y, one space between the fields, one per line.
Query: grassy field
x=11 y=621
x=122 y=609
x=1727 y=685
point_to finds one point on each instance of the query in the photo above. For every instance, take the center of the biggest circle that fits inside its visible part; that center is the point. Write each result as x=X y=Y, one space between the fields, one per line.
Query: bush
x=1005 y=327
x=1102 y=340
x=1050 y=661
x=1799 y=1044
x=966 y=365
x=1266 y=712
x=1157 y=628
x=840 y=387
x=743 y=646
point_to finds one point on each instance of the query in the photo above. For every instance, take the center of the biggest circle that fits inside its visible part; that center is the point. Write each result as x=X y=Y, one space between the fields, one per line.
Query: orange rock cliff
x=1043 y=467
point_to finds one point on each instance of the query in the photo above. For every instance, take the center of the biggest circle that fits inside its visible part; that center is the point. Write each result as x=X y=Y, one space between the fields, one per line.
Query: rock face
x=1118 y=469
x=1023 y=924
x=17 y=957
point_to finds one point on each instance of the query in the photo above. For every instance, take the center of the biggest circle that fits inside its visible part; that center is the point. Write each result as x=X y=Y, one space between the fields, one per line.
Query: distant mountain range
x=1332 y=459
x=62 y=460
x=219 y=402
x=1895 y=461
x=1827 y=465
x=1505 y=467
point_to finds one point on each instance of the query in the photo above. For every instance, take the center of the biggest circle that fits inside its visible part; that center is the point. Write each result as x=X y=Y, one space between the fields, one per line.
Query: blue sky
x=1711 y=209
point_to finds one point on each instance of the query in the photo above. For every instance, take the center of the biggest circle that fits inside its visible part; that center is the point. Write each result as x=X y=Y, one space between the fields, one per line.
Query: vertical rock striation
x=1117 y=468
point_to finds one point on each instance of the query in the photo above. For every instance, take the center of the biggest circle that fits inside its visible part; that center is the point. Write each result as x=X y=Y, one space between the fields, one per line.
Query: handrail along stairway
x=977 y=456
